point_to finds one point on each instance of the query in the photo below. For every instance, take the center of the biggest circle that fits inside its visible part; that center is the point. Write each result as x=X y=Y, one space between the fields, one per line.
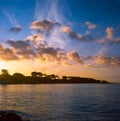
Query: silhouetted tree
x=44 y=75
x=57 y=77
x=64 y=77
x=19 y=75
x=39 y=74
x=53 y=76
x=5 y=72
x=34 y=74
x=40 y=78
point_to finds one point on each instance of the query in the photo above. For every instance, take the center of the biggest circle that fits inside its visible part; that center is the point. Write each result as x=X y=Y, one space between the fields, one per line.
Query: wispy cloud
x=51 y=11
x=16 y=27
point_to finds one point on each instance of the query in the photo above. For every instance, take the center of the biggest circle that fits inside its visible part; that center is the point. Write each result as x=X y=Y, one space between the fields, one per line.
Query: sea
x=62 y=102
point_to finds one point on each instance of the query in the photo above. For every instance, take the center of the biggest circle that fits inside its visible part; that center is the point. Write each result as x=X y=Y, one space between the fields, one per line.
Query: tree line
x=42 y=78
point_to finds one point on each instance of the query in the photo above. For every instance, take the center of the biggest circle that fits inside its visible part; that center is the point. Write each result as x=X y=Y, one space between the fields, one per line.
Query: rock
x=9 y=116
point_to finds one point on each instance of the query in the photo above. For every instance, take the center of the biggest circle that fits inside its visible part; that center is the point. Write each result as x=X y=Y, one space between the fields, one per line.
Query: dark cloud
x=25 y=49
x=19 y=44
x=22 y=49
x=75 y=56
x=44 y=26
x=16 y=29
x=73 y=35
x=7 y=54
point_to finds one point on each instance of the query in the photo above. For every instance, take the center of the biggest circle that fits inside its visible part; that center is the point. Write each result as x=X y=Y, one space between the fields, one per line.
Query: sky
x=63 y=37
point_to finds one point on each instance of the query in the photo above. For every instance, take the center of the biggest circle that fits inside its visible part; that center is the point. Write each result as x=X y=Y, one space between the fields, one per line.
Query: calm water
x=59 y=102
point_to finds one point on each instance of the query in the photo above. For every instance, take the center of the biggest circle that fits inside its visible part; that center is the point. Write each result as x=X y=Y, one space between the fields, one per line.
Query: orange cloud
x=35 y=37
x=66 y=29
x=7 y=54
x=110 y=33
x=73 y=35
x=90 y=25
x=107 y=61
x=101 y=41
x=44 y=25
x=74 y=56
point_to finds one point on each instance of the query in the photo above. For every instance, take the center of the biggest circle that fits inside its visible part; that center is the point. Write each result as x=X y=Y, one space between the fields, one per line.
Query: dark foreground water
x=59 y=102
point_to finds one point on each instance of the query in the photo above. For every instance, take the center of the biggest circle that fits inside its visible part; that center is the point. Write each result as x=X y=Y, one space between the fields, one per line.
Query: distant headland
x=40 y=78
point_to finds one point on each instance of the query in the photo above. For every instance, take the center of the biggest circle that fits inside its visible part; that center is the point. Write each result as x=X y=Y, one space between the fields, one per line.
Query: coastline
x=45 y=80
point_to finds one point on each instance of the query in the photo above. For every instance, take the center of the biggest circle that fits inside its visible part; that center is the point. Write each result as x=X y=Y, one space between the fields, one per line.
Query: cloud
x=22 y=49
x=48 y=53
x=25 y=49
x=19 y=44
x=101 y=41
x=90 y=25
x=70 y=32
x=7 y=54
x=11 y=18
x=73 y=35
x=35 y=37
x=44 y=25
x=67 y=29
x=74 y=56
x=51 y=11
x=107 y=61
x=110 y=33
x=16 y=29
x=117 y=40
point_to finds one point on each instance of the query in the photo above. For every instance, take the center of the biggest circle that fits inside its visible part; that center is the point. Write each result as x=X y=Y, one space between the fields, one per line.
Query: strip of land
x=40 y=78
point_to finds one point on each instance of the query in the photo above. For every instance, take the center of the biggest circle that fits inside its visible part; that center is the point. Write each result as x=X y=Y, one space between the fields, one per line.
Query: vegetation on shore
x=40 y=78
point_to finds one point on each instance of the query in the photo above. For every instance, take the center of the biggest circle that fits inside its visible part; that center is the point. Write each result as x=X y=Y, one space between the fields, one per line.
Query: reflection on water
x=70 y=102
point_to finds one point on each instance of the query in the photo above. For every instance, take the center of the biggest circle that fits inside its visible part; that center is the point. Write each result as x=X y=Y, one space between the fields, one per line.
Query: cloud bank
x=52 y=39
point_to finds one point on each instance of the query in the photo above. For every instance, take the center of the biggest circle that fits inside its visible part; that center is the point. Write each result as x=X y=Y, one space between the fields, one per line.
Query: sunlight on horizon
x=2 y=65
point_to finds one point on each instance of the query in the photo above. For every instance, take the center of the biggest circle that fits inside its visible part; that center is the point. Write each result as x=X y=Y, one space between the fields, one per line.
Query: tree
x=18 y=75
x=53 y=76
x=34 y=74
x=5 y=72
x=39 y=74
x=64 y=77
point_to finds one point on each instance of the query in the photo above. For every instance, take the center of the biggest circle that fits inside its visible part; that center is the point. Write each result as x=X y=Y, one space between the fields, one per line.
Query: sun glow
x=1 y=65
